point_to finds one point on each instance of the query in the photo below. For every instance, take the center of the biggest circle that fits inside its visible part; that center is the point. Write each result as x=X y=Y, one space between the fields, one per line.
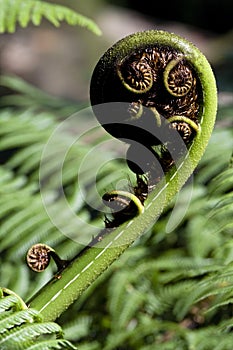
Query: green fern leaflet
x=22 y=328
x=23 y=12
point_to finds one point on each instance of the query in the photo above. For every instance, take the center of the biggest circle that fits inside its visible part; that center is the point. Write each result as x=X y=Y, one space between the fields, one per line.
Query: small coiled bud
x=39 y=255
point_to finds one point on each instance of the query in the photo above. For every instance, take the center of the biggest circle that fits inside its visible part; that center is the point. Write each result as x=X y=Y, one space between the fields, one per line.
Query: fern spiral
x=151 y=84
x=23 y=12
x=174 y=122
x=154 y=72
x=39 y=256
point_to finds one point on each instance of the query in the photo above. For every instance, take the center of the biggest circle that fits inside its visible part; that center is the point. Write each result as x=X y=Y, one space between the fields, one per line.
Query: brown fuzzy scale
x=182 y=81
x=187 y=105
x=135 y=109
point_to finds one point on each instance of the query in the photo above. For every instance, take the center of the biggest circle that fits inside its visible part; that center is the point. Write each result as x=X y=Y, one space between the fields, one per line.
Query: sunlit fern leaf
x=27 y=159
x=172 y=286
x=25 y=11
x=171 y=335
x=23 y=337
x=222 y=185
x=132 y=288
x=143 y=331
x=223 y=302
x=11 y=320
x=133 y=304
x=166 y=297
x=28 y=332
x=22 y=328
x=49 y=344
x=59 y=344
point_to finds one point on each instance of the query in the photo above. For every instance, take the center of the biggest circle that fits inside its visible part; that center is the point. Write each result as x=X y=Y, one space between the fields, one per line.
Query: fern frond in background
x=23 y=328
x=23 y=12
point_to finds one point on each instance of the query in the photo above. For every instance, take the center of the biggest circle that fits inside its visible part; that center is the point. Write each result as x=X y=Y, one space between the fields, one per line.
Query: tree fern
x=170 y=290
x=25 y=11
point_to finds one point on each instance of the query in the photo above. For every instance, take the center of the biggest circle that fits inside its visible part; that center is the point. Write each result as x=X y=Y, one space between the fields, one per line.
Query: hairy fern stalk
x=171 y=290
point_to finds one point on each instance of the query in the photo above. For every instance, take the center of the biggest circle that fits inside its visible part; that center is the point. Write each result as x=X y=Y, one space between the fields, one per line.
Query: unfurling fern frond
x=22 y=328
x=23 y=12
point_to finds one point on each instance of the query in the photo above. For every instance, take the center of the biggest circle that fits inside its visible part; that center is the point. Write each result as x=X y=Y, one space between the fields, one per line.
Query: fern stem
x=65 y=287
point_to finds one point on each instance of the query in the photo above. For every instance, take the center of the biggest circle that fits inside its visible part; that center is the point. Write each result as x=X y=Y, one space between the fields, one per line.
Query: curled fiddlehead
x=137 y=76
x=178 y=77
x=124 y=206
x=157 y=79
x=151 y=118
x=39 y=255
